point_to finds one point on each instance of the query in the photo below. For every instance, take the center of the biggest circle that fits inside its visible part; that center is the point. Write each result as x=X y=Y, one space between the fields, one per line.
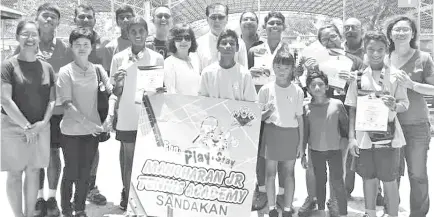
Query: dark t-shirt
x=31 y=84
x=159 y=47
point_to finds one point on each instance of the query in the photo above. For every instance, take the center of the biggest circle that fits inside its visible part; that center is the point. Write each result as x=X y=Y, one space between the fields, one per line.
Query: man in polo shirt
x=217 y=18
x=123 y=16
x=163 y=21
x=85 y=18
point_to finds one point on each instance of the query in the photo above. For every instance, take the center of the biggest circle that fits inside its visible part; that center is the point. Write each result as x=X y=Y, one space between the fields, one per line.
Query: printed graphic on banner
x=195 y=156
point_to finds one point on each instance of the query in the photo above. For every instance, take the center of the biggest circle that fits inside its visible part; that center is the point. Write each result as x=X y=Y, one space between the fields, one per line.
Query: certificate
x=371 y=114
x=149 y=78
x=332 y=67
x=264 y=61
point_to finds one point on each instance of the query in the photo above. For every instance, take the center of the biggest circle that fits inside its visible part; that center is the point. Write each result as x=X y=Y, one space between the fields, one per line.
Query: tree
x=381 y=9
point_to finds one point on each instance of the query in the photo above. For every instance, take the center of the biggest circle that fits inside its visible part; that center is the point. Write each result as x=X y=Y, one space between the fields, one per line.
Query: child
x=378 y=158
x=226 y=78
x=282 y=137
x=324 y=117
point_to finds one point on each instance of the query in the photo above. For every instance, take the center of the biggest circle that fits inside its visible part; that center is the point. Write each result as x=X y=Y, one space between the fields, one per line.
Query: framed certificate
x=371 y=114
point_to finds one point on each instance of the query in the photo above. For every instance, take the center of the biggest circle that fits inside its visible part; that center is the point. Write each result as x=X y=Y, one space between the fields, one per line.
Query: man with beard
x=85 y=18
x=217 y=18
x=163 y=22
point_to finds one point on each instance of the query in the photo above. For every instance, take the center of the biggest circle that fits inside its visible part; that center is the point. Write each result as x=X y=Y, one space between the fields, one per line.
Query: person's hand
x=37 y=127
x=404 y=80
x=261 y=71
x=353 y=147
x=31 y=137
x=120 y=75
x=300 y=151
x=347 y=76
x=108 y=123
x=304 y=163
x=389 y=101
x=269 y=107
x=310 y=63
x=161 y=90
x=96 y=130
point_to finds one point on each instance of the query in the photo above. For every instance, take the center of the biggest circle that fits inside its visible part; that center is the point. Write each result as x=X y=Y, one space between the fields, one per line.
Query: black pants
x=334 y=160
x=78 y=153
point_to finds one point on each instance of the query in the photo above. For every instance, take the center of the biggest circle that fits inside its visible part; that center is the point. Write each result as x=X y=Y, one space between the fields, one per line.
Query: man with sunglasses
x=217 y=18
x=163 y=22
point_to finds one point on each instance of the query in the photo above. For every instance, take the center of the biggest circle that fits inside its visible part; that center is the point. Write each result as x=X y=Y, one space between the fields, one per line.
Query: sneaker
x=52 y=207
x=40 y=208
x=94 y=196
x=124 y=201
x=332 y=205
x=308 y=206
x=259 y=200
x=380 y=200
x=80 y=214
x=273 y=213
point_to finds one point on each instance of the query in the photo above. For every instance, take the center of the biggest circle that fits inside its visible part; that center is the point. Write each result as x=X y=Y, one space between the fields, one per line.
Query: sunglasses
x=160 y=16
x=217 y=17
x=179 y=38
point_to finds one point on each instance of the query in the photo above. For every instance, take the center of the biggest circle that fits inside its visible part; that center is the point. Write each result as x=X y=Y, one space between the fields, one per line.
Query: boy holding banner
x=127 y=62
x=377 y=150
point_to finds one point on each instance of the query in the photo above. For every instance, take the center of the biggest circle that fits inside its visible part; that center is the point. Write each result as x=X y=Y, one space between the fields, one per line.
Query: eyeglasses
x=331 y=38
x=351 y=27
x=272 y=23
x=401 y=29
x=179 y=38
x=166 y=16
x=29 y=34
x=217 y=17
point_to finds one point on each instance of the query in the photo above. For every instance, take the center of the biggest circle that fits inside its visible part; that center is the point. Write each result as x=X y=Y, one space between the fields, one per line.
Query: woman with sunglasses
x=27 y=102
x=182 y=74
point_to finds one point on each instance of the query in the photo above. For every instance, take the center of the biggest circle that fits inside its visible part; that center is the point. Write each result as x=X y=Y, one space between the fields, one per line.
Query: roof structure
x=9 y=13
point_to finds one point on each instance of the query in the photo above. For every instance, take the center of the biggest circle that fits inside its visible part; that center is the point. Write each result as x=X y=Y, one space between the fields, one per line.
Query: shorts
x=56 y=134
x=381 y=163
x=279 y=143
x=16 y=153
x=126 y=136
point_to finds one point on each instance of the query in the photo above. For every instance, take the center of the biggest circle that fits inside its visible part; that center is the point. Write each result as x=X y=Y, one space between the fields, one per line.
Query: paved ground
x=109 y=182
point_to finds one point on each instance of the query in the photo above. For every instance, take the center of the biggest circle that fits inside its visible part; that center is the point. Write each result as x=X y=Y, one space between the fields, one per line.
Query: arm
x=299 y=114
x=425 y=88
x=249 y=88
x=306 y=130
x=242 y=55
x=267 y=108
x=402 y=102
x=203 y=89
x=343 y=120
x=301 y=126
x=52 y=102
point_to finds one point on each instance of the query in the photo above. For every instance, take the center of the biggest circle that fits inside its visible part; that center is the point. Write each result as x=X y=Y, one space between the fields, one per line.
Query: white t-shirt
x=182 y=77
x=397 y=91
x=234 y=83
x=128 y=112
x=208 y=53
x=288 y=103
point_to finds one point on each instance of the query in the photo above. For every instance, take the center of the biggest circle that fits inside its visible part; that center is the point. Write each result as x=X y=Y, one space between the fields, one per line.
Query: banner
x=195 y=157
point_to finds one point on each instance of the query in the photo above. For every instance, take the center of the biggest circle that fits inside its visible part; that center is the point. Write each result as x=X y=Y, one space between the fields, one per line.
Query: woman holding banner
x=126 y=63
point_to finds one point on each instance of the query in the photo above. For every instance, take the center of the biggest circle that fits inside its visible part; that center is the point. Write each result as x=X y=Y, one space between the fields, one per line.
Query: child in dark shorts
x=378 y=159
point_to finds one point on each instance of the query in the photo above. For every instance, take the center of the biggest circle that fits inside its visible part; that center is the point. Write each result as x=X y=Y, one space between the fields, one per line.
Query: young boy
x=378 y=159
x=324 y=119
x=226 y=78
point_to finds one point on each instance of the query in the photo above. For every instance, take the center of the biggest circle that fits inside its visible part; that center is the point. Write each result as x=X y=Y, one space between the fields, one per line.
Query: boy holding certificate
x=377 y=150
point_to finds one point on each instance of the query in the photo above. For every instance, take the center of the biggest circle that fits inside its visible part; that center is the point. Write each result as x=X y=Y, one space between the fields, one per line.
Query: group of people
x=52 y=93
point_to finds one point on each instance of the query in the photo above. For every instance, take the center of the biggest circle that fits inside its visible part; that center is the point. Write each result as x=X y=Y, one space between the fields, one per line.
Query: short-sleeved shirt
x=288 y=103
x=359 y=52
x=31 y=85
x=323 y=123
x=79 y=86
x=208 y=53
x=181 y=76
x=367 y=82
x=234 y=83
x=113 y=47
x=128 y=111
x=420 y=67
x=159 y=47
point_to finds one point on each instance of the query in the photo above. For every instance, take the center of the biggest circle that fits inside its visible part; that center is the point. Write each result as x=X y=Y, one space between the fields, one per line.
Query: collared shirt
x=128 y=112
x=359 y=52
x=182 y=76
x=368 y=82
x=208 y=53
x=261 y=56
x=257 y=41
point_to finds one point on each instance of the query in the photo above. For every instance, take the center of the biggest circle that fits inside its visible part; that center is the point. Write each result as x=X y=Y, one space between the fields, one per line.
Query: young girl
x=282 y=138
x=324 y=117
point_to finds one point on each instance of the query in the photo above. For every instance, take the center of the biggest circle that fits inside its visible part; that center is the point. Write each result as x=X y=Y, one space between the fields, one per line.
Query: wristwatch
x=28 y=126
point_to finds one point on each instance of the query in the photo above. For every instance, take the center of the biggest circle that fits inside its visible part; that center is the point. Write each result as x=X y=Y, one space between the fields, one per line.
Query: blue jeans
x=417 y=137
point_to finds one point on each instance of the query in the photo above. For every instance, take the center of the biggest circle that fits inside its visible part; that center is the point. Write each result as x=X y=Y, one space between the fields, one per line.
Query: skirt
x=278 y=143
x=16 y=153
